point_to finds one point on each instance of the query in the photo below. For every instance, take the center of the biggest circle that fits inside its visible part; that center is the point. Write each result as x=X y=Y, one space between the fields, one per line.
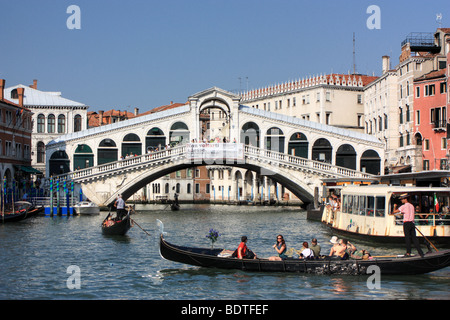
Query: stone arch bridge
x=294 y=152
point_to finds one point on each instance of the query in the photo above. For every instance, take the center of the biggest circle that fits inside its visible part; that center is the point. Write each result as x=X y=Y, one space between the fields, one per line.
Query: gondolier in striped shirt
x=409 y=228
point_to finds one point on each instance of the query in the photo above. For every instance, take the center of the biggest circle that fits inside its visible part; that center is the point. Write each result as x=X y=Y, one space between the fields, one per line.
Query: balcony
x=422 y=42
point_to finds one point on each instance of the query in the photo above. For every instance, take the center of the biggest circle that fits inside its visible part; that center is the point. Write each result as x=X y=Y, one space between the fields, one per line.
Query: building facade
x=15 y=139
x=53 y=116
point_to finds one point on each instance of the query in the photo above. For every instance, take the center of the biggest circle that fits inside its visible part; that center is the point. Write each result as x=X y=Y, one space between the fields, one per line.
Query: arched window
x=51 y=123
x=77 y=123
x=61 y=123
x=41 y=123
x=40 y=152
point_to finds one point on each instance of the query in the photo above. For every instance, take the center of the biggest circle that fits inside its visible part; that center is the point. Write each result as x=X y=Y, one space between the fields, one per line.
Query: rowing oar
x=134 y=221
x=427 y=239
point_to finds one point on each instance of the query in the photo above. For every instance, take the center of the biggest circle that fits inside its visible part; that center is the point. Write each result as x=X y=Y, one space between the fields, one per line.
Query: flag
x=436 y=203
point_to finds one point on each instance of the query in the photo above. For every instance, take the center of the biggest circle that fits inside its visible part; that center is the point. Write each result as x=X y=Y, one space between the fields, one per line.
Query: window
x=401 y=140
x=208 y=188
x=61 y=124
x=417 y=92
x=418 y=117
x=51 y=123
x=40 y=152
x=426 y=164
x=385 y=121
x=359 y=98
x=429 y=90
x=444 y=143
x=408 y=117
x=426 y=144
x=380 y=206
x=328 y=96
x=77 y=123
x=189 y=188
x=401 y=115
x=370 y=206
x=197 y=188
x=443 y=87
x=41 y=123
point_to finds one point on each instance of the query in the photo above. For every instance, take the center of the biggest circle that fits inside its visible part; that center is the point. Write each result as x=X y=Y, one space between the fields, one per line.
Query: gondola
x=389 y=265
x=174 y=207
x=114 y=227
x=23 y=210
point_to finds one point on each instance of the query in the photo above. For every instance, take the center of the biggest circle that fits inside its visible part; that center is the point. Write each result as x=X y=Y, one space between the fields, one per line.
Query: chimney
x=386 y=64
x=34 y=85
x=136 y=111
x=100 y=117
x=20 y=92
x=2 y=87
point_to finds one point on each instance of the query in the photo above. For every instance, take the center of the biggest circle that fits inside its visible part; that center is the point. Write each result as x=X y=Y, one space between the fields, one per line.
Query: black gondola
x=114 y=227
x=391 y=265
x=174 y=207
x=23 y=210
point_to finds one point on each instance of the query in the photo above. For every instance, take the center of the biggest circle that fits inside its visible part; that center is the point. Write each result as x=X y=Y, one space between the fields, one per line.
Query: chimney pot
x=2 y=87
x=20 y=92
x=386 y=64
x=136 y=111
x=100 y=118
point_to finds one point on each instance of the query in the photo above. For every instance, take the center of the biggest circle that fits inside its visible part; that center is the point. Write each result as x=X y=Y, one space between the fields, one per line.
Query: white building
x=53 y=116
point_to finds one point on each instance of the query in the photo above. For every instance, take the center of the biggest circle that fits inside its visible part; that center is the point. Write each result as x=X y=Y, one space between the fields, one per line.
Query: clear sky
x=146 y=53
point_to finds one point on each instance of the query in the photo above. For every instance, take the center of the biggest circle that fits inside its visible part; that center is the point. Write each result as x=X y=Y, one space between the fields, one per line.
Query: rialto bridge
x=293 y=152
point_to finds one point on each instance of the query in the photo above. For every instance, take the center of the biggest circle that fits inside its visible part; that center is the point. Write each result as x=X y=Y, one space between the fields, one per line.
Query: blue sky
x=145 y=53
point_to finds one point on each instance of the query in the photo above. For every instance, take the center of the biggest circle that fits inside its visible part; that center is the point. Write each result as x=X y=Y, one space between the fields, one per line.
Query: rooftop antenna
x=354 y=58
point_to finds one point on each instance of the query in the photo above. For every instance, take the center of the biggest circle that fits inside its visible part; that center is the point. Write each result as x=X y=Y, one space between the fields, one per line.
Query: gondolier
x=409 y=228
x=120 y=206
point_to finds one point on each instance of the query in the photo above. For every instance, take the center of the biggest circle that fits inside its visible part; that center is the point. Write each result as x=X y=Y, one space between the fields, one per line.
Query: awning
x=28 y=169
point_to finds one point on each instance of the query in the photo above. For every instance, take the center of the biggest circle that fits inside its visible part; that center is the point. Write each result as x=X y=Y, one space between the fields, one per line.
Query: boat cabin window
x=371 y=206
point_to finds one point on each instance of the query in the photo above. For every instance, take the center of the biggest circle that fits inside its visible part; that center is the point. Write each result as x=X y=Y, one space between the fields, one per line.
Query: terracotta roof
x=432 y=75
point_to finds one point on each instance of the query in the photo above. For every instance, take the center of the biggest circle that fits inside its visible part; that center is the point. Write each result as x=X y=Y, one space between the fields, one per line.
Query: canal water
x=41 y=258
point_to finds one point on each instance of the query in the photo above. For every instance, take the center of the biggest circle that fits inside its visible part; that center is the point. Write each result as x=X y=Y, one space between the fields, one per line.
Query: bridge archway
x=179 y=133
x=298 y=145
x=322 y=150
x=155 y=138
x=59 y=163
x=250 y=134
x=275 y=140
x=370 y=162
x=83 y=157
x=346 y=157
x=131 y=145
x=107 y=151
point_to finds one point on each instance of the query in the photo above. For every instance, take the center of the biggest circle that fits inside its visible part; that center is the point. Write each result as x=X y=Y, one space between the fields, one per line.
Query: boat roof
x=385 y=189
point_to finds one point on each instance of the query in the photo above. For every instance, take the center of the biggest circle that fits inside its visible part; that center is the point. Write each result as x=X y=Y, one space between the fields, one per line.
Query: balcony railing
x=439 y=125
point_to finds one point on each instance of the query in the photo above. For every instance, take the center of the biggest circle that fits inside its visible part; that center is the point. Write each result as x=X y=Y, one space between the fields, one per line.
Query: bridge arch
x=346 y=156
x=107 y=151
x=155 y=138
x=322 y=150
x=275 y=139
x=370 y=162
x=298 y=145
x=250 y=134
x=59 y=162
x=131 y=145
x=179 y=133
x=83 y=157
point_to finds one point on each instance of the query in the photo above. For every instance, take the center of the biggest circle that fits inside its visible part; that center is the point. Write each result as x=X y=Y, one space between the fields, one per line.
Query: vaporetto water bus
x=364 y=211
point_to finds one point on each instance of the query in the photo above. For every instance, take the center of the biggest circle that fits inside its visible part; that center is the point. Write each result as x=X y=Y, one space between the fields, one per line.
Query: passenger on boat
x=280 y=247
x=409 y=228
x=306 y=253
x=315 y=247
x=242 y=252
x=340 y=250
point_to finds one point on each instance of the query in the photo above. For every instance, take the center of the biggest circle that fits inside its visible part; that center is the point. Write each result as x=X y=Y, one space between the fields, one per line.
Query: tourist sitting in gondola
x=243 y=252
x=280 y=247
x=306 y=253
x=341 y=249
